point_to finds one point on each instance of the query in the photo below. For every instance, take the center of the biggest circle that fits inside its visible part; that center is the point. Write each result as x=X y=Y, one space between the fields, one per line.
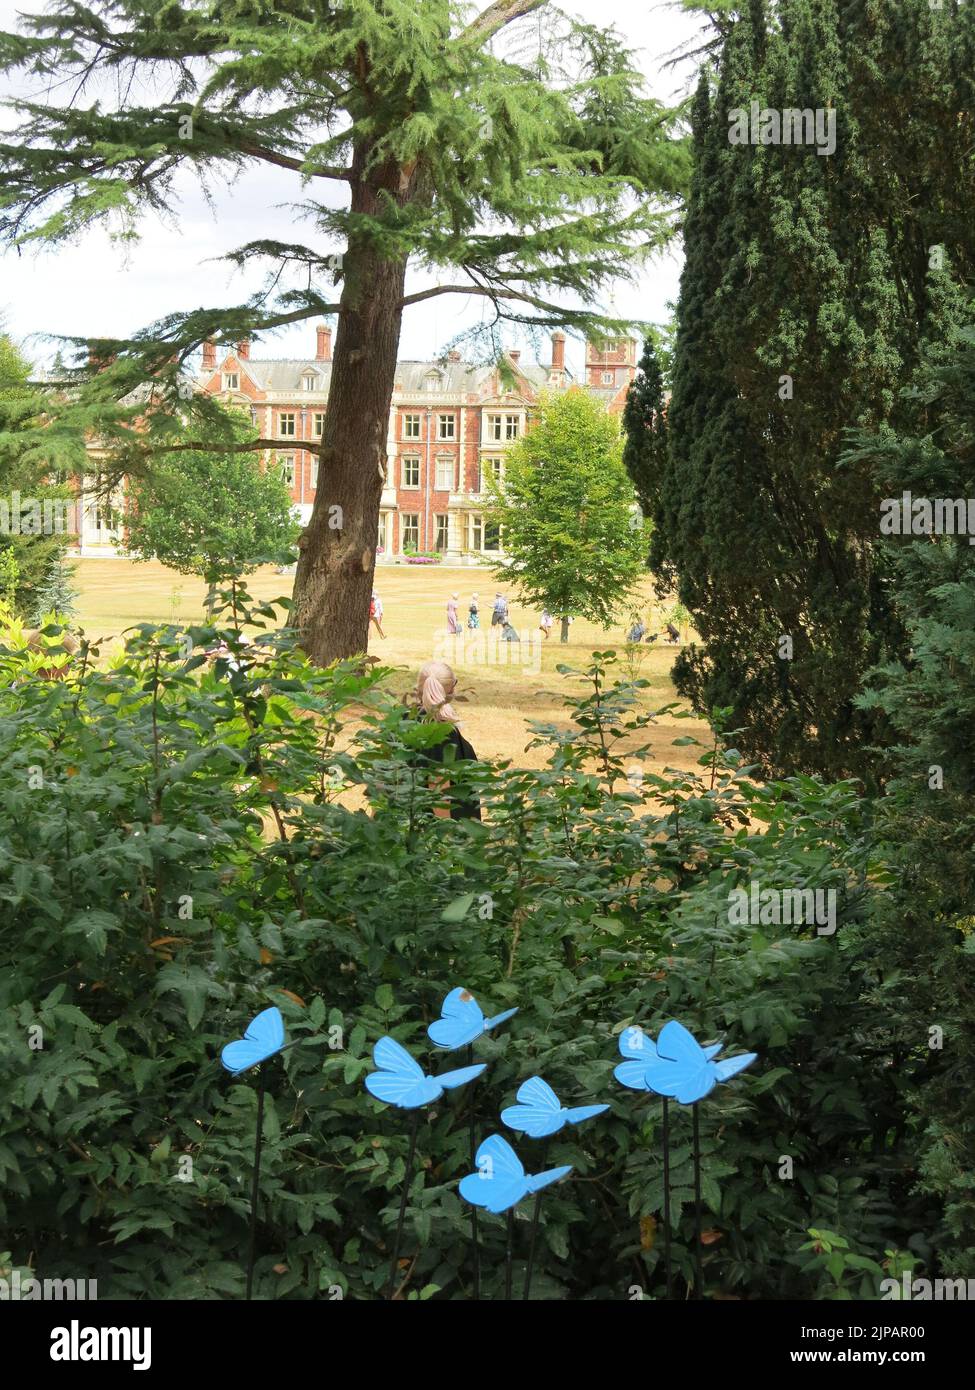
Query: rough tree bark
x=337 y=550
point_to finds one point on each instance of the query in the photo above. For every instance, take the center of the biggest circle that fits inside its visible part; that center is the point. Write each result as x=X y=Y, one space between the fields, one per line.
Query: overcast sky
x=94 y=289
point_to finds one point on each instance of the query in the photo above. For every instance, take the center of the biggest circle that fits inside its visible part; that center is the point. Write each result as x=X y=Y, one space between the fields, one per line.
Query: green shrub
x=177 y=850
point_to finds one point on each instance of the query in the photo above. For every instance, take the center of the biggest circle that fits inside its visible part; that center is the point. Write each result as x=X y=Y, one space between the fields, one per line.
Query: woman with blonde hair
x=435 y=685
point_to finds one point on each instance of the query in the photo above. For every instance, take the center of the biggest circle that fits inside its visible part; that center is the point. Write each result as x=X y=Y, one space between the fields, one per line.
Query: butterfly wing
x=579 y=1113
x=538 y=1112
x=392 y=1088
x=687 y=1077
x=731 y=1066
x=389 y=1055
x=499 y=1019
x=241 y=1056
x=539 y=1180
x=263 y=1036
x=694 y=1088
x=399 y=1080
x=461 y=1021
x=713 y=1051
x=493 y=1193
x=678 y=1045
x=681 y=1081
x=267 y=1029
x=632 y=1074
x=450 y=1080
x=500 y=1178
x=636 y=1044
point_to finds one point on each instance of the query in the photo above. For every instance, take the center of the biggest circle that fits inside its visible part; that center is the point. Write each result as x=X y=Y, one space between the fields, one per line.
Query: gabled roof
x=286 y=374
x=279 y=374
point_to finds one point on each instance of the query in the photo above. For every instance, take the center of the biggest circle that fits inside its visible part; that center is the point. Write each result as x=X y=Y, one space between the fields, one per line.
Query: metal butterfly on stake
x=263 y=1038
x=460 y=1024
x=399 y=1080
x=540 y=1114
x=677 y=1067
x=500 y=1183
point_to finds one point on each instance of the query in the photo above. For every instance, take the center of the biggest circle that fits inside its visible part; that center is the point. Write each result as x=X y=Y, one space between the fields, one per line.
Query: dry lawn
x=502 y=686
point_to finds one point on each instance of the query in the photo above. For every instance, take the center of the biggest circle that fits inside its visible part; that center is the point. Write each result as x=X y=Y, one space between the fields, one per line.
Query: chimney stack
x=209 y=356
x=515 y=354
x=558 y=352
x=453 y=355
x=99 y=356
x=244 y=349
x=323 y=352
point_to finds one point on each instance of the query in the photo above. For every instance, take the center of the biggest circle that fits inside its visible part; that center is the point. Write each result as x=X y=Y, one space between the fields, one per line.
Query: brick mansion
x=450 y=426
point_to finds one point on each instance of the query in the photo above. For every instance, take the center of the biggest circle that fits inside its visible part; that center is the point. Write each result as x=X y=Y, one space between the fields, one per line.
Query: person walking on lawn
x=453 y=622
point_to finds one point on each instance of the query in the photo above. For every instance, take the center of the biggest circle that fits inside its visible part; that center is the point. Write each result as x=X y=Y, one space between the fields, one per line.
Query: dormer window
x=309 y=382
x=433 y=381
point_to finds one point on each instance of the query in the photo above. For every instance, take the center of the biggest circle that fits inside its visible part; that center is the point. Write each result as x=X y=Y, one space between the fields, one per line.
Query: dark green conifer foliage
x=645 y=423
x=923 y=935
x=803 y=303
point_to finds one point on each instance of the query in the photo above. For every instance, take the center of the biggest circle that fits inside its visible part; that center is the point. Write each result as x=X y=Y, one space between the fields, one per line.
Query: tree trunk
x=337 y=550
x=565 y=630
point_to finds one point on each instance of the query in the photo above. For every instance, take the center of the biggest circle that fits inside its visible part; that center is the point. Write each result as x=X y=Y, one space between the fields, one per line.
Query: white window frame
x=231 y=381
x=286 y=468
x=441 y=531
x=443 y=463
x=409 y=521
x=447 y=427
x=494 y=462
x=284 y=418
x=413 y=460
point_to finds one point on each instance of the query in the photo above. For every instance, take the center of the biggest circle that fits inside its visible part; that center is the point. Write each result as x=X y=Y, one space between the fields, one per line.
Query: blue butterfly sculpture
x=500 y=1181
x=462 y=1021
x=539 y=1112
x=263 y=1037
x=676 y=1066
x=401 y=1081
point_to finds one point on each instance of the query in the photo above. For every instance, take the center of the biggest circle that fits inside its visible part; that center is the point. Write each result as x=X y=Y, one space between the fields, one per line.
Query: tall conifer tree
x=645 y=423
x=802 y=307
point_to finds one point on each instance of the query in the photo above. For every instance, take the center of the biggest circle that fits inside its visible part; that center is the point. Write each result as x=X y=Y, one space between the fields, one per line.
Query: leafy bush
x=182 y=844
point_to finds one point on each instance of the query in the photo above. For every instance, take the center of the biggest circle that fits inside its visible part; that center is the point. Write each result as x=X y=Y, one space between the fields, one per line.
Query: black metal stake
x=407 y=1179
x=666 y=1145
x=475 y=1243
x=511 y=1254
x=255 y=1183
x=534 y=1232
x=698 y=1271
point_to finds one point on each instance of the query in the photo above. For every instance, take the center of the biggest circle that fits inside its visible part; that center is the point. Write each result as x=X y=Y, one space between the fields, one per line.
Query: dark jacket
x=455 y=748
